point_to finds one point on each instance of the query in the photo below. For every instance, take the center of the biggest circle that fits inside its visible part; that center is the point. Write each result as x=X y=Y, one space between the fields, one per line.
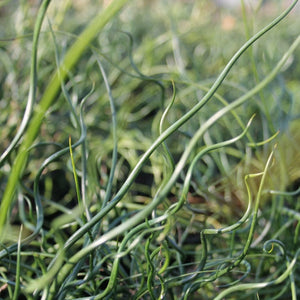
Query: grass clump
x=150 y=161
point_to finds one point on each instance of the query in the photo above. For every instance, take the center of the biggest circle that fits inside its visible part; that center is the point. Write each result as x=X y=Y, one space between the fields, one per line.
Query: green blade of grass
x=17 y=287
x=76 y=179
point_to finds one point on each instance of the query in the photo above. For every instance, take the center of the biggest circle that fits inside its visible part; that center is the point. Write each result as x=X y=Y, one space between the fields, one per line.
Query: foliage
x=156 y=155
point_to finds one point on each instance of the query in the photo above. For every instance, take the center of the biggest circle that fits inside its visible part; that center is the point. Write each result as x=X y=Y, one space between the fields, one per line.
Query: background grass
x=212 y=212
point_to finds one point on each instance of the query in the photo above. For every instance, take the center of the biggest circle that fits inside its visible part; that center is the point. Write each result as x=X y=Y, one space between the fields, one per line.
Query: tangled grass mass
x=149 y=149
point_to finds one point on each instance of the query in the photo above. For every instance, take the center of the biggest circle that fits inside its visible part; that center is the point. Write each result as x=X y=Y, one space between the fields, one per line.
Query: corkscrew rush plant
x=213 y=119
x=146 y=211
x=100 y=244
x=70 y=59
